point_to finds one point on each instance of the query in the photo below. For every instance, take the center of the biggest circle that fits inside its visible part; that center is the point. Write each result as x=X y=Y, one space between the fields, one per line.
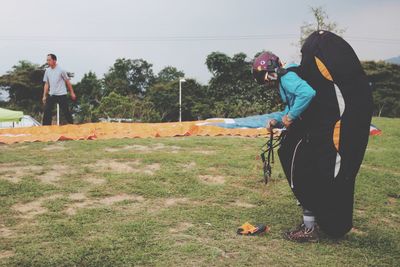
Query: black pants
x=62 y=100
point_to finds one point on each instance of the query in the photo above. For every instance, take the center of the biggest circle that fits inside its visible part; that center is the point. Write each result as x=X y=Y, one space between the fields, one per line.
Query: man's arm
x=45 y=92
x=70 y=89
x=64 y=75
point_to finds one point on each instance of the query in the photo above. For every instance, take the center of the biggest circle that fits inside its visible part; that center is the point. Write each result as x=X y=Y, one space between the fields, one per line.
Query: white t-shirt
x=56 y=79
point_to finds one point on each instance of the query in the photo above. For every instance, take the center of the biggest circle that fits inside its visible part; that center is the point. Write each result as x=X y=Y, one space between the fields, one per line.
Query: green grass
x=175 y=219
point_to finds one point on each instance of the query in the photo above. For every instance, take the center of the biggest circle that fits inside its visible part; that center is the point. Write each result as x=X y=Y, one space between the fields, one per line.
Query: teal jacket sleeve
x=301 y=91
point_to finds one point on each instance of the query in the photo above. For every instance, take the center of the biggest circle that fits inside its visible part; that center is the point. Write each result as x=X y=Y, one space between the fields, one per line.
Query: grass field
x=178 y=202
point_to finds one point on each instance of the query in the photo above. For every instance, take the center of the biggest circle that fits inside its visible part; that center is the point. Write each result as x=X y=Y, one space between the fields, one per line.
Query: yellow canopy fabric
x=7 y=115
x=99 y=131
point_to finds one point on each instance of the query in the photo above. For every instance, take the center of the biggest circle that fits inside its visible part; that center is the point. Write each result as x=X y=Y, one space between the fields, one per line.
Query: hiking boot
x=303 y=234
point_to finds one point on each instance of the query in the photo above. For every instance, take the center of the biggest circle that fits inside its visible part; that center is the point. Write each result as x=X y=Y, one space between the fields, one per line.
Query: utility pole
x=182 y=80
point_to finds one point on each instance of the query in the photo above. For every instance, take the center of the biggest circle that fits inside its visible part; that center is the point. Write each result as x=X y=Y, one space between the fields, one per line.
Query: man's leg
x=63 y=101
x=48 y=109
x=308 y=231
x=308 y=218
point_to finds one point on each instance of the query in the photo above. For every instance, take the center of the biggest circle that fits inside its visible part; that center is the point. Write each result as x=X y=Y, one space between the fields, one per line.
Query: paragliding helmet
x=266 y=63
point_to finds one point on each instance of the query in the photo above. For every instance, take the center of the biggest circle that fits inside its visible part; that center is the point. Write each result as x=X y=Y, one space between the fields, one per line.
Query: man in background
x=56 y=82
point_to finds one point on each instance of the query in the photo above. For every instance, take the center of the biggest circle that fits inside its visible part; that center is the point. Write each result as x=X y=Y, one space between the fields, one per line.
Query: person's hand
x=287 y=121
x=271 y=124
x=73 y=96
x=44 y=99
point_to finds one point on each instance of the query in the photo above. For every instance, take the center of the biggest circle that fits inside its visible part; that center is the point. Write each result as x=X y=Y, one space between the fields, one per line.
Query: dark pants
x=62 y=100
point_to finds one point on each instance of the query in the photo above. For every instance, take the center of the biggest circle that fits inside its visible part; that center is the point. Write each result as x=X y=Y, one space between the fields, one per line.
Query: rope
x=268 y=148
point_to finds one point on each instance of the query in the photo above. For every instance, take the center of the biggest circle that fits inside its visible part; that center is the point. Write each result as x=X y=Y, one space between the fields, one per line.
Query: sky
x=89 y=35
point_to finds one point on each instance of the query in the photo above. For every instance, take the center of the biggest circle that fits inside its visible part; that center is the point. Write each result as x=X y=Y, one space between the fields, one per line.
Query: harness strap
x=268 y=149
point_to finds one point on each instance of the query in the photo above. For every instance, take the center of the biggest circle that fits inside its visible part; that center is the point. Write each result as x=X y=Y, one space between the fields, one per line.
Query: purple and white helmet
x=265 y=63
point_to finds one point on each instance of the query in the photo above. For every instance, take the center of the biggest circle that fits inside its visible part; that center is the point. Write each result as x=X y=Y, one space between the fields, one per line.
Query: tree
x=148 y=112
x=321 y=23
x=125 y=107
x=385 y=81
x=129 y=77
x=169 y=74
x=116 y=106
x=24 y=84
x=89 y=91
x=165 y=97
x=232 y=89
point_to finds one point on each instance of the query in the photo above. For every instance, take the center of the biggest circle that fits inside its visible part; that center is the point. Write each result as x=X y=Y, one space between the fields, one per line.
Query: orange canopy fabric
x=92 y=131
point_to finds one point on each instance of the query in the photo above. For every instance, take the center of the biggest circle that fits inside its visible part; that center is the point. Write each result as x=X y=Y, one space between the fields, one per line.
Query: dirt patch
x=77 y=196
x=189 y=166
x=55 y=147
x=181 y=227
x=118 y=198
x=205 y=152
x=73 y=208
x=242 y=204
x=151 y=169
x=15 y=173
x=212 y=179
x=172 y=149
x=112 y=149
x=116 y=166
x=174 y=201
x=31 y=209
x=22 y=147
x=359 y=211
x=6 y=254
x=81 y=201
x=134 y=166
x=142 y=148
x=162 y=204
x=48 y=175
x=130 y=147
x=95 y=181
x=358 y=231
x=54 y=174
x=6 y=232
x=137 y=148
x=6 y=147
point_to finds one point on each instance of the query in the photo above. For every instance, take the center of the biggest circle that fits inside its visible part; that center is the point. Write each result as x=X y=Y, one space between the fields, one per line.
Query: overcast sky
x=90 y=34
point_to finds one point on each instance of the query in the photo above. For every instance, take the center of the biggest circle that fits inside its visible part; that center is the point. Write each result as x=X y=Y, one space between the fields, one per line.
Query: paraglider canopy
x=7 y=115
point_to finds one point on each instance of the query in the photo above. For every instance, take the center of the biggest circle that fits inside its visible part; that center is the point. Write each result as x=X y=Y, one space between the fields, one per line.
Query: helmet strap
x=271 y=76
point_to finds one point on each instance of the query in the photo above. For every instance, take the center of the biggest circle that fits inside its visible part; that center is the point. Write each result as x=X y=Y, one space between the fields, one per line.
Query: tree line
x=130 y=89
